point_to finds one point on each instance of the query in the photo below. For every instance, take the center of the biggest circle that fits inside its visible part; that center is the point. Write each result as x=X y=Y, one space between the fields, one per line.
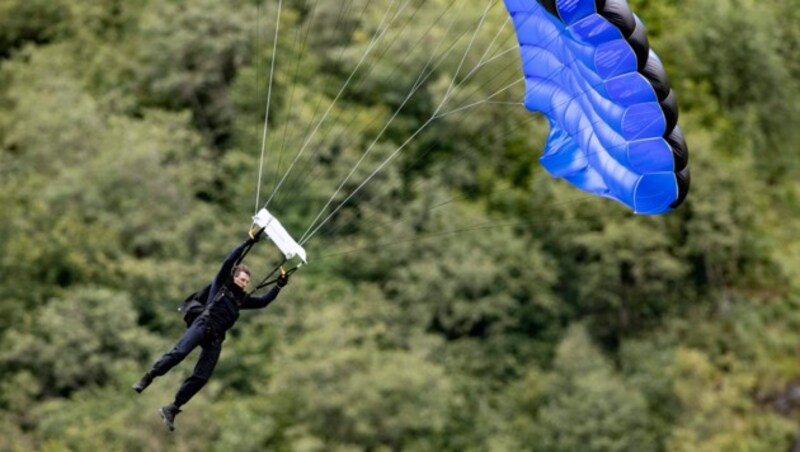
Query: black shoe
x=168 y=414
x=143 y=382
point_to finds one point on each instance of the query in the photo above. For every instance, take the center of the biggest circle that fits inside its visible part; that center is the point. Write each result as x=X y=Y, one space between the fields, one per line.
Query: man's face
x=242 y=279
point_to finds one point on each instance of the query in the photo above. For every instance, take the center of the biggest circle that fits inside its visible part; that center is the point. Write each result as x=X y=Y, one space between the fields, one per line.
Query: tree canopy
x=458 y=297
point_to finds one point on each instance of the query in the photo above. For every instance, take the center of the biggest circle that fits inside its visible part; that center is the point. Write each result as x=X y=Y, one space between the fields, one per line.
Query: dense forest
x=457 y=296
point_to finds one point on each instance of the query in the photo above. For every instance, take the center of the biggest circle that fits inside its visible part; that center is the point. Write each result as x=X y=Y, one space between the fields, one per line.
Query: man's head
x=241 y=276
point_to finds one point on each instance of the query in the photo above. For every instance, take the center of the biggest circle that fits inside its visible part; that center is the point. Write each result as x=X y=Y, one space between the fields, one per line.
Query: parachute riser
x=266 y=281
x=245 y=252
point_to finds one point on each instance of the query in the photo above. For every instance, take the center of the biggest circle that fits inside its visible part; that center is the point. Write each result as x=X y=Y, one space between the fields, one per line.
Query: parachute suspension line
x=504 y=102
x=464 y=57
x=379 y=32
x=415 y=86
x=440 y=204
x=487 y=100
x=496 y=56
x=475 y=227
x=484 y=63
x=484 y=101
x=307 y=235
x=421 y=78
x=493 y=102
x=309 y=167
x=343 y=12
x=367 y=220
x=256 y=47
x=494 y=40
x=360 y=186
x=267 y=108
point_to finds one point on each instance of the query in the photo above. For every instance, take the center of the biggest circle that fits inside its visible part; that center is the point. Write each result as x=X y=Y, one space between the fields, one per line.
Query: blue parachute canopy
x=613 y=116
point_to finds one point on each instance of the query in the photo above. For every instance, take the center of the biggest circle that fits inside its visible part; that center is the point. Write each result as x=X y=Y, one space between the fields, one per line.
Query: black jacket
x=225 y=298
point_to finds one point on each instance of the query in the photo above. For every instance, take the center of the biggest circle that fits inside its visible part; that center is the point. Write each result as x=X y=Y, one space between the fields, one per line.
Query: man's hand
x=282 y=280
x=255 y=234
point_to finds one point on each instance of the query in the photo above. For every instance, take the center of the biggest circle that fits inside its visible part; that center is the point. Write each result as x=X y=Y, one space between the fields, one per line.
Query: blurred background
x=457 y=297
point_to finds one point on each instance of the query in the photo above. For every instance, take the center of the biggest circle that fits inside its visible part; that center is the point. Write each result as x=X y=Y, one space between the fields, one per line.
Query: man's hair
x=241 y=268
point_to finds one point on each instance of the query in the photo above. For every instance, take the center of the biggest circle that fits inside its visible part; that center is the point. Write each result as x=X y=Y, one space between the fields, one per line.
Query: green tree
x=738 y=54
x=189 y=57
x=590 y=407
x=343 y=383
x=717 y=414
x=75 y=342
x=30 y=22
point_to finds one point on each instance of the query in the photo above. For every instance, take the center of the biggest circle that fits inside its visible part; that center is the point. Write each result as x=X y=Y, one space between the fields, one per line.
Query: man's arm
x=227 y=266
x=263 y=301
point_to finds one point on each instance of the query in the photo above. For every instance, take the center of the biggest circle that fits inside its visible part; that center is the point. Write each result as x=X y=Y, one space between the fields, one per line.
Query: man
x=226 y=297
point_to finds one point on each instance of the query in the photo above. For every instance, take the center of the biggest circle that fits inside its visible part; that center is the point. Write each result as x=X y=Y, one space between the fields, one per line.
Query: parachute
x=613 y=116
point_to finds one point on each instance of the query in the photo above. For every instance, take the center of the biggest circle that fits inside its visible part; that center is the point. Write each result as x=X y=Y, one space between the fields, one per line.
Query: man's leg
x=202 y=372
x=193 y=336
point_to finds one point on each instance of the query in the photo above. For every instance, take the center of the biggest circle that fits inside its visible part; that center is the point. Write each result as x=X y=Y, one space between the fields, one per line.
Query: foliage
x=74 y=343
x=590 y=408
x=457 y=298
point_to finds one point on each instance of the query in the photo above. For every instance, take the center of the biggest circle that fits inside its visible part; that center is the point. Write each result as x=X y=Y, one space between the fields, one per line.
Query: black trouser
x=196 y=334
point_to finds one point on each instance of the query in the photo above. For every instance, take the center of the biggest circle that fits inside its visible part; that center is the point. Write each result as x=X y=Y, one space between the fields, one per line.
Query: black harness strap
x=265 y=283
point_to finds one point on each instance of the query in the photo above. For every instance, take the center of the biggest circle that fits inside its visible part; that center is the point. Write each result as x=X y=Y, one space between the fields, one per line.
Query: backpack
x=194 y=305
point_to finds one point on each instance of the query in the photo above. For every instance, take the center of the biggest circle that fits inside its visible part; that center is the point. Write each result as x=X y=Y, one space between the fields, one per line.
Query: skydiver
x=226 y=297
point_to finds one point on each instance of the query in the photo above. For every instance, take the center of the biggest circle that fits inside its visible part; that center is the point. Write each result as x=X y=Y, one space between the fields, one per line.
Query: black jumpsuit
x=225 y=299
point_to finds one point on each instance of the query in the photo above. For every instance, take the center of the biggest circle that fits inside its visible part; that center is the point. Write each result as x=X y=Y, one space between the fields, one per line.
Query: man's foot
x=143 y=382
x=168 y=414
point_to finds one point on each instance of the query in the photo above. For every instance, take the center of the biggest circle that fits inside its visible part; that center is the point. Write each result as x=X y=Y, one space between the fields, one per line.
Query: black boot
x=143 y=382
x=168 y=414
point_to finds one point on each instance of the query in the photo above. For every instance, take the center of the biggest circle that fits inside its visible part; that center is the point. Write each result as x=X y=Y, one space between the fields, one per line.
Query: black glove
x=282 y=280
x=255 y=236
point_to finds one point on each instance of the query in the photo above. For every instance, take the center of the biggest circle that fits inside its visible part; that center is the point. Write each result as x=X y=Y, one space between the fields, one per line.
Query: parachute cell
x=613 y=116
